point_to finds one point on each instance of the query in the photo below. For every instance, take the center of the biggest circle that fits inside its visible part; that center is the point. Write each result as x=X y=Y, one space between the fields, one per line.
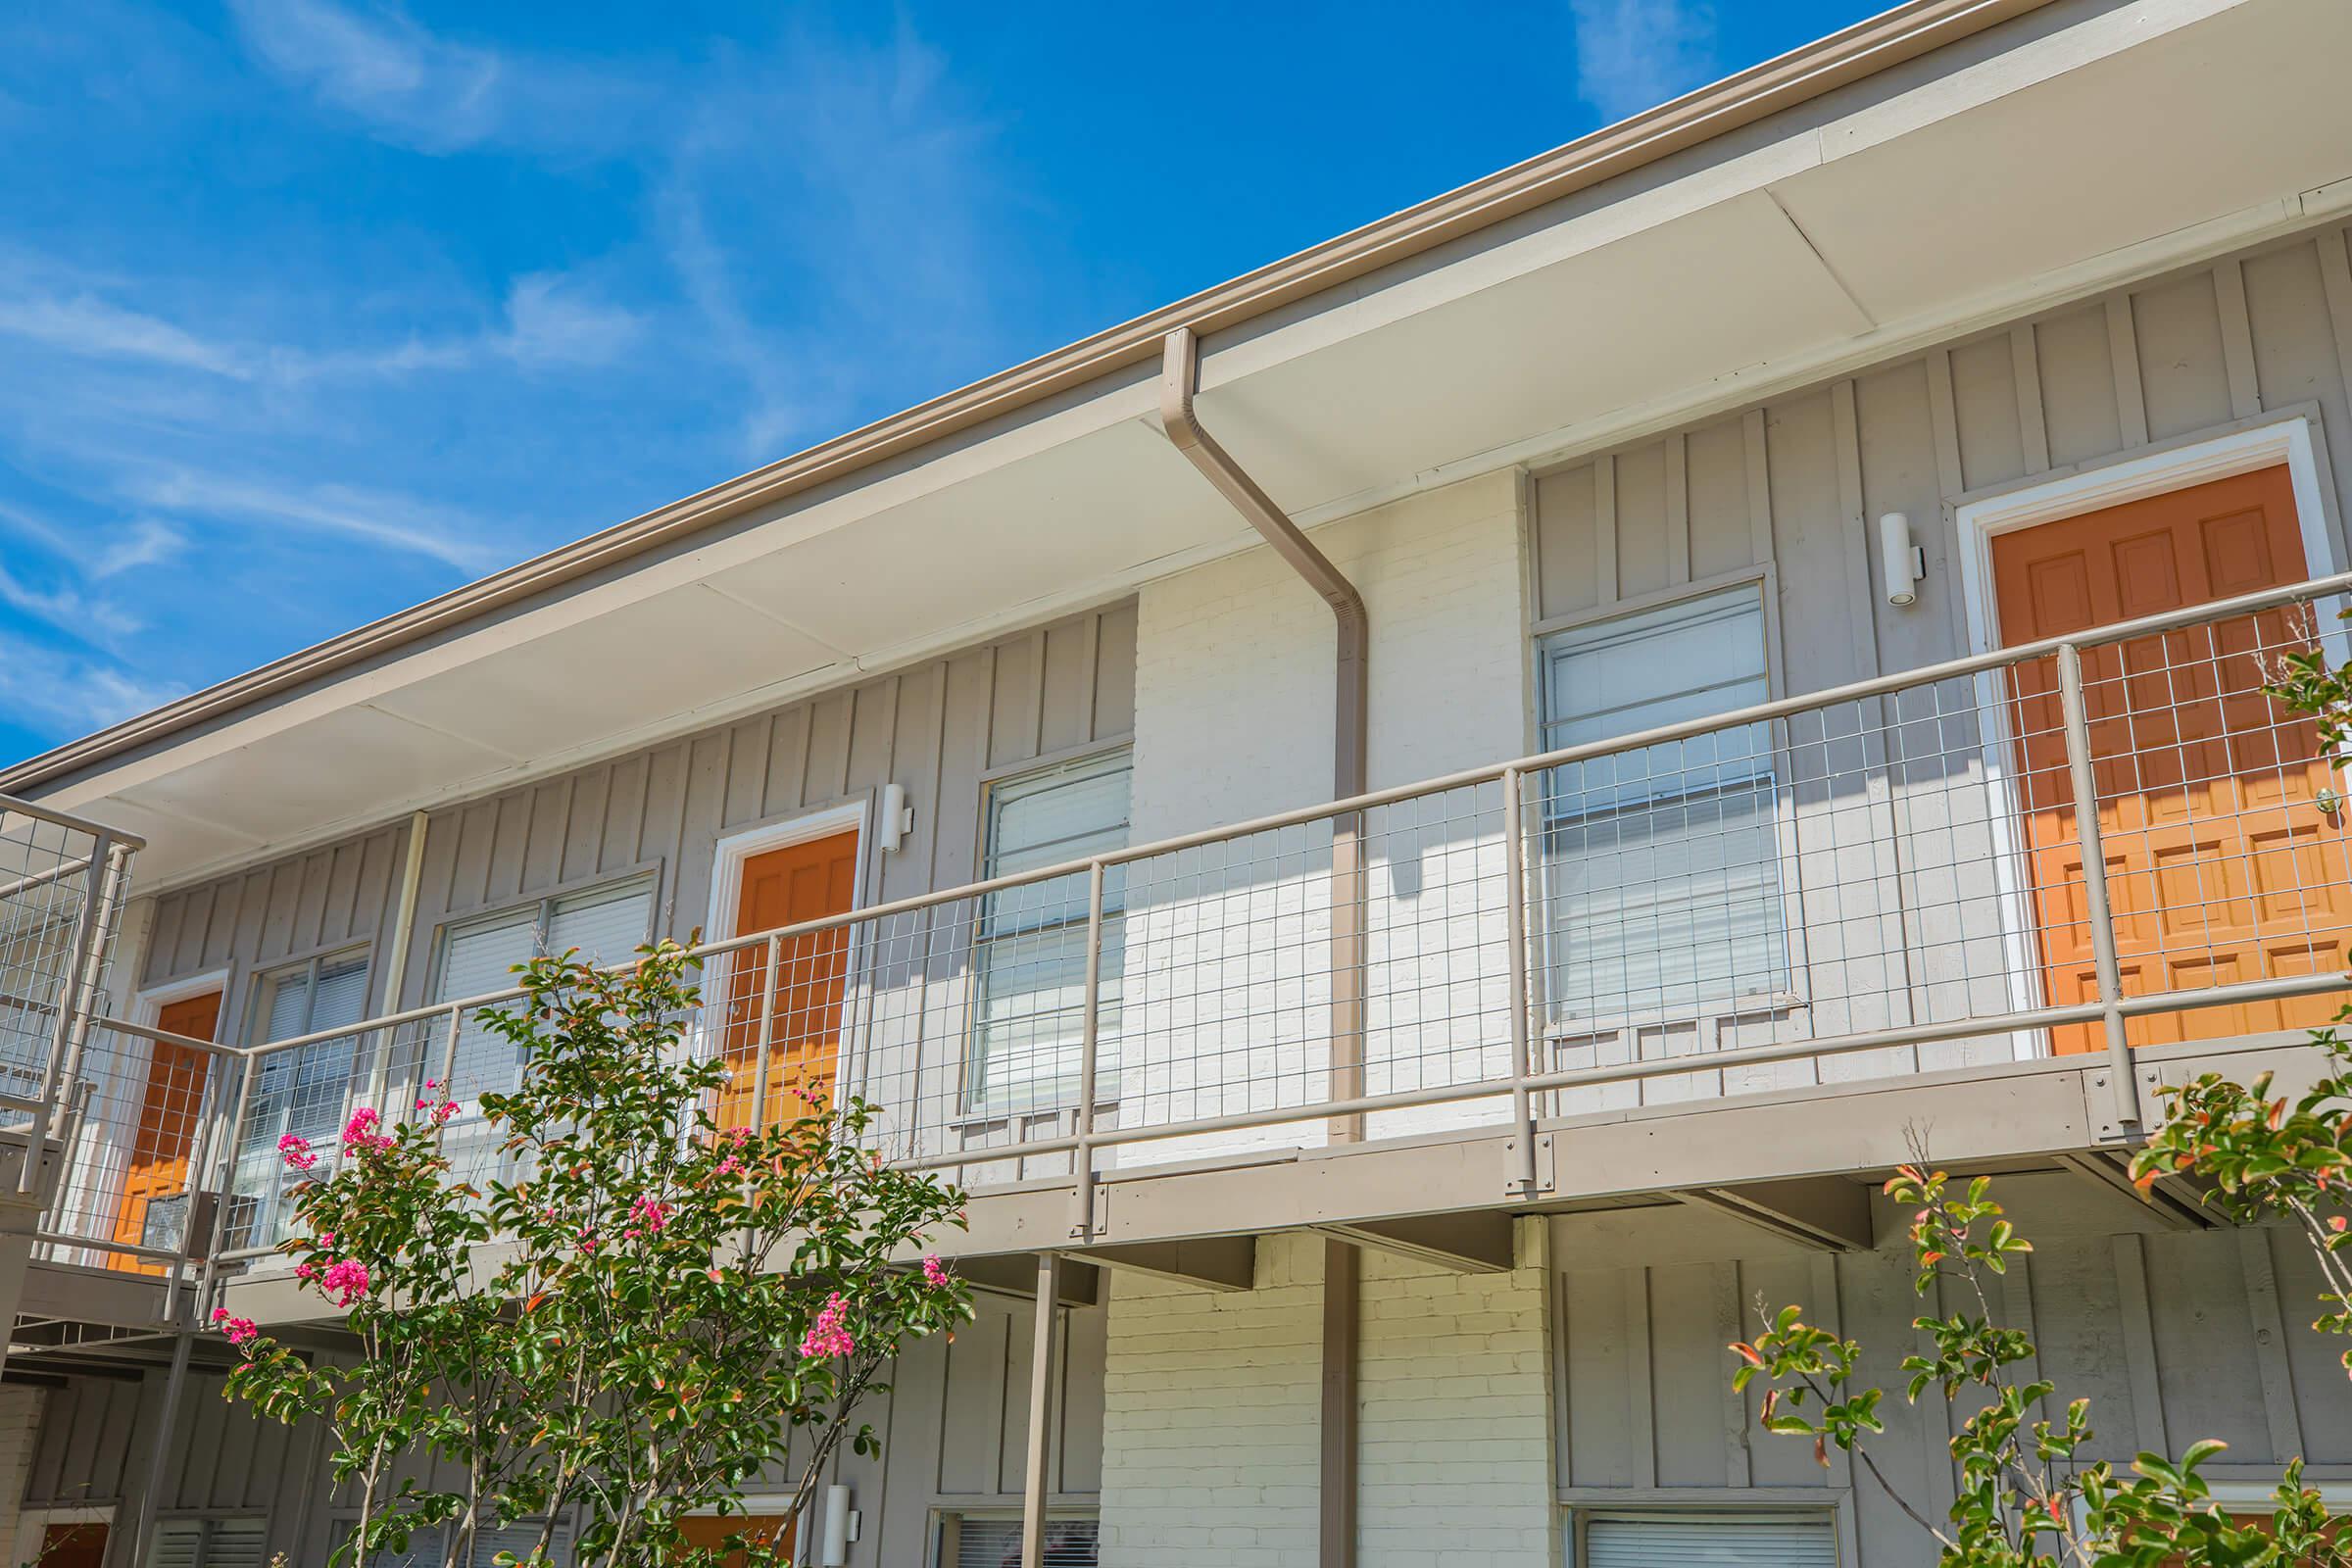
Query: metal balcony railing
x=2084 y=844
x=63 y=882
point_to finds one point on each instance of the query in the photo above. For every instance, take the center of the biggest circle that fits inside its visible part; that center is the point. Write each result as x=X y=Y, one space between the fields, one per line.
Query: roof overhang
x=1937 y=169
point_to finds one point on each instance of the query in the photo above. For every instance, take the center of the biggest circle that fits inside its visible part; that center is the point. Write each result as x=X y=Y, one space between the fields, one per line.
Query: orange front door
x=2221 y=865
x=159 y=1150
x=787 y=886
x=75 y=1545
x=706 y=1532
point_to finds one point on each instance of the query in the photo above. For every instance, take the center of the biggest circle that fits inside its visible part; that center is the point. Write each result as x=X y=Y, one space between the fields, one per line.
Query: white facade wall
x=1454 y=1460
x=1211 y=1430
x=1210 y=1417
x=1227 y=947
x=19 y=1427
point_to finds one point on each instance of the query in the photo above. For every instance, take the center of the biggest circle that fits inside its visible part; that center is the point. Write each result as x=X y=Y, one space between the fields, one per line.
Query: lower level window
x=208 y=1543
x=426 y=1547
x=1691 y=1539
x=994 y=1541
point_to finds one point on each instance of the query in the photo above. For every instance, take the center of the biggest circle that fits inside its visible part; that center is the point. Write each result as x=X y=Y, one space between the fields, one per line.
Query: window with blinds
x=605 y=924
x=1031 y=942
x=427 y=1547
x=208 y=1543
x=307 y=1091
x=1662 y=873
x=1702 y=1541
x=994 y=1541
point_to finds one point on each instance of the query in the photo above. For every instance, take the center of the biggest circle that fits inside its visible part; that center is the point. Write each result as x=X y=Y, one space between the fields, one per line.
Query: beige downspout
x=1180 y=378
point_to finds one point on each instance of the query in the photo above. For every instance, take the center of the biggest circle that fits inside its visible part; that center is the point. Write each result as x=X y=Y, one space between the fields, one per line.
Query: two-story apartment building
x=1420 y=829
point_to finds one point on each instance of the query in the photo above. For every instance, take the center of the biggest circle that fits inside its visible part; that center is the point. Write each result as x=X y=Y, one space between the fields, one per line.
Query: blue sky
x=313 y=309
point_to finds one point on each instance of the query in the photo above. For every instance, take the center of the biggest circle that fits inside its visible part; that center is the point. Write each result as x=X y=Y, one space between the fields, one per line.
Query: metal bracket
x=1096 y=1221
x=2110 y=1104
x=1545 y=1180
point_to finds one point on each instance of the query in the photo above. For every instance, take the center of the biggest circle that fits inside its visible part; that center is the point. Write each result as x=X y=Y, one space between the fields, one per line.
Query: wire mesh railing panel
x=2221 y=823
x=61 y=892
x=1885 y=880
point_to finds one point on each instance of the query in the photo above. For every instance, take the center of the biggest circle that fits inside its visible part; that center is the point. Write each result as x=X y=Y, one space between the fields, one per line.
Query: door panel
x=75 y=1545
x=781 y=887
x=708 y=1533
x=157 y=1168
x=2221 y=865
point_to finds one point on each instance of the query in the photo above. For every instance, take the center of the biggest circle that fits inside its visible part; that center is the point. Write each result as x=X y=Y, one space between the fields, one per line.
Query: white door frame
x=103 y=1160
x=2282 y=438
x=34 y=1523
x=729 y=858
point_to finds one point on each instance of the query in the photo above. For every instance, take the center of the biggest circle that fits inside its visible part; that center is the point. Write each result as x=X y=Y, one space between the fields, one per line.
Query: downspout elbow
x=1180 y=378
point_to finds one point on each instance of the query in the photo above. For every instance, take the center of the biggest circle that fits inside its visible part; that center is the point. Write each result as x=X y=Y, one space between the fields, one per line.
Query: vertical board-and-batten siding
x=953 y=1426
x=2173 y=1336
x=936 y=729
x=1796 y=482
x=1788 y=493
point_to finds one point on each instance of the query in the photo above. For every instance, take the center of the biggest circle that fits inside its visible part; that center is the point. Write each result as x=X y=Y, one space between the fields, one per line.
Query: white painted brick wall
x=1210 y=1441
x=1233 y=662
x=1226 y=990
x=1454 y=1459
x=20 y=1426
x=1210 y=1418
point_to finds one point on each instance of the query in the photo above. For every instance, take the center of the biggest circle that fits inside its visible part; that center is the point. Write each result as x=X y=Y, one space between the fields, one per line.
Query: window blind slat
x=1662 y=865
x=1701 y=1542
x=997 y=1544
x=1032 y=960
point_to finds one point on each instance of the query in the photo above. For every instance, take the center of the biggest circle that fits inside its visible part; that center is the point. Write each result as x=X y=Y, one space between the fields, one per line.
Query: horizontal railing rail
x=1994 y=855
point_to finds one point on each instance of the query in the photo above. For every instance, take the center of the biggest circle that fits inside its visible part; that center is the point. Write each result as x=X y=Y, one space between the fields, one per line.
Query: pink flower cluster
x=239 y=1331
x=360 y=1136
x=650 y=1215
x=935 y=1273
x=346 y=1281
x=296 y=1150
x=828 y=1336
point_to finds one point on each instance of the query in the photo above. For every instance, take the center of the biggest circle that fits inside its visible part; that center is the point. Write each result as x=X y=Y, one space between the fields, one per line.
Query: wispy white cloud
x=402 y=522
x=1632 y=55
x=424 y=90
x=149 y=543
x=547 y=321
x=71 y=691
x=85 y=324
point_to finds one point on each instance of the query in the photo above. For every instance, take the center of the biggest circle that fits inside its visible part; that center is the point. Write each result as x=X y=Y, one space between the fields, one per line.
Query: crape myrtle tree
x=650 y=1314
x=2257 y=1156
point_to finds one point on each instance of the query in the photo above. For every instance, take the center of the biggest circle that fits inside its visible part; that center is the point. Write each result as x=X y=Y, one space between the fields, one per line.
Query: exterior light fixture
x=1906 y=563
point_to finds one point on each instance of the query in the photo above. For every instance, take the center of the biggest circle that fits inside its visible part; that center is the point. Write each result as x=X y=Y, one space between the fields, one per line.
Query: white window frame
x=201 y=1516
x=1707 y=1021
x=947 y=1520
x=260 y=994
x=2285 y=436
x=1833 y=1508
x=970 y=1109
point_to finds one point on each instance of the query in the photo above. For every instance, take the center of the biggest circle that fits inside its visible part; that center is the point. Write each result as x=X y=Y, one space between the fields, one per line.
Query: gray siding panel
x=1889 y=854
x=933 y=729
x=953 y=1430
x=2228 y=1351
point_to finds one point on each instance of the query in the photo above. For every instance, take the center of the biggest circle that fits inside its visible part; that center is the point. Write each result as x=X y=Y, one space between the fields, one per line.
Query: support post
x=1082 y=1158
x=1335 y=1534
x=2123 y=1085
x=1044 y=1344
x=158 y=1448
x=1522 y=1178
